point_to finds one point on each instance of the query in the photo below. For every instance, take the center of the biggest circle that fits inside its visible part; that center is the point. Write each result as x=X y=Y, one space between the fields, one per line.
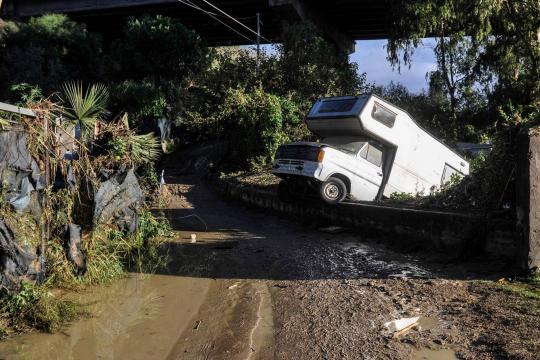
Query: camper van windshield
x=345 y=145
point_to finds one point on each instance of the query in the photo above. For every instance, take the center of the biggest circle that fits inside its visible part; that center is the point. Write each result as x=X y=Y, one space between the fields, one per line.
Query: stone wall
x=453 y=233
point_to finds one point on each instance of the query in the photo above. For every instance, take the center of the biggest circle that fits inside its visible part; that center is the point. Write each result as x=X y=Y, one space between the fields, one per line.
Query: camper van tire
x=333 y=191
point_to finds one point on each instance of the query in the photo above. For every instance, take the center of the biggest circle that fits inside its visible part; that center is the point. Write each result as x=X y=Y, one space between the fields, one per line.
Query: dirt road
x=286 y=290
x=256 y=286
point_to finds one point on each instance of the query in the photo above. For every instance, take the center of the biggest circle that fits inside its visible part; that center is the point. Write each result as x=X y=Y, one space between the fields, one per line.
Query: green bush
x=253 y=123
x=47 y=51
x=36 y=307
x=158 y=48
x=402 y=197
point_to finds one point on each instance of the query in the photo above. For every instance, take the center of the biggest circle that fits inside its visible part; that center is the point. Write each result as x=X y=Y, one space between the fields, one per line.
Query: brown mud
x=138 y=317
x=255 y=286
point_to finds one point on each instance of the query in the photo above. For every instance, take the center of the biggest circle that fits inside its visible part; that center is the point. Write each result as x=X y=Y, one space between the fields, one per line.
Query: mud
x=427 y=354
x=255 y=286
x=139 y=317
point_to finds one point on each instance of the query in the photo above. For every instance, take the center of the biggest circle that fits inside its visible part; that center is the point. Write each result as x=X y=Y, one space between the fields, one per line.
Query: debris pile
x=57 y=211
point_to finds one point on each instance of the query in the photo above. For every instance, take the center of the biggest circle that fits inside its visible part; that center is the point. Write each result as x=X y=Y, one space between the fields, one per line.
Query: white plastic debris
x=193 y=238
x=400 y=324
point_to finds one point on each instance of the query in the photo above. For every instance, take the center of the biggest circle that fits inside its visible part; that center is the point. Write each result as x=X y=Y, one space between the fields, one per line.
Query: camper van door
x=369 y=167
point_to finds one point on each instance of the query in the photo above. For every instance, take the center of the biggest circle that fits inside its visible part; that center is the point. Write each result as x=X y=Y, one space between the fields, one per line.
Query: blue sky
x=371 y=58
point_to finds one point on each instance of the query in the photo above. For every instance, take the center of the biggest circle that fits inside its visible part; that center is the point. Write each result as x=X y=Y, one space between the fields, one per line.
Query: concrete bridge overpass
x=343 y=21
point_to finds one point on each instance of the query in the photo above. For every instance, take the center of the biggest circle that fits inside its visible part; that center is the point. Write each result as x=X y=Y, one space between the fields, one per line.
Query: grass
x=36 y=307
x=527 y=287
x=110 y=254
x=262 y=179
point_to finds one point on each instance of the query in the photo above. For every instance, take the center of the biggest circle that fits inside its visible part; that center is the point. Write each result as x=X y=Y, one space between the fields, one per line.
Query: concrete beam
x=17 y=110
x=307 y=12
x=34 y=8
x=528 y=197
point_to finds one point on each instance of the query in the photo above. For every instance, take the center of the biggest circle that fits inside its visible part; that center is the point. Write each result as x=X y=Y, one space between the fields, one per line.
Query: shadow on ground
x=235 y=242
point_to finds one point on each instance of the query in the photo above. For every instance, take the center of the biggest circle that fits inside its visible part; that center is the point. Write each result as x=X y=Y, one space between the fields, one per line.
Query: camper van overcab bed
x=368 y=149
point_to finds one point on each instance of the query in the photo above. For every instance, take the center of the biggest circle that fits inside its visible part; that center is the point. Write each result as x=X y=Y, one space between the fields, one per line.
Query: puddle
x=404 y=267
x=139 y=317
x=427 y=323
x=427 y=354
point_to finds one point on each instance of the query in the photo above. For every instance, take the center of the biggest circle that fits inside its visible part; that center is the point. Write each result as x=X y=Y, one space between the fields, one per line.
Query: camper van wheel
x=333 y=190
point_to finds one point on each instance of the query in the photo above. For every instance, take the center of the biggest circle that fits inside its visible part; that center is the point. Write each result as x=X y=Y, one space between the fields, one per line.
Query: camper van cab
x=368 y=149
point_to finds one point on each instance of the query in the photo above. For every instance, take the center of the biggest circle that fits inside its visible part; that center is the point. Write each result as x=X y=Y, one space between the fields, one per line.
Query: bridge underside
x=341 y=20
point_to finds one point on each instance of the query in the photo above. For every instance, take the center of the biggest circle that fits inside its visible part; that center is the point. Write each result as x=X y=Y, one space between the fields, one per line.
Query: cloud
x=371 y=58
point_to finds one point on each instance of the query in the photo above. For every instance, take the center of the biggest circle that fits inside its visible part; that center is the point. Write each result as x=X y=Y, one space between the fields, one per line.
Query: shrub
x=36 y=307
x=158 y=48
x=253 y=123
x=47 y=51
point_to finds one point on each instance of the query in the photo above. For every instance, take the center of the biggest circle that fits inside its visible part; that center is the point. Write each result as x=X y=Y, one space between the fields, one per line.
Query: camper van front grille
x=298 y=152
x=290 y=162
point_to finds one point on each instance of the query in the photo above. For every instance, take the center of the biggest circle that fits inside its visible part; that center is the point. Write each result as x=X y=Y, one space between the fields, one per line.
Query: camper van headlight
x=320 y=156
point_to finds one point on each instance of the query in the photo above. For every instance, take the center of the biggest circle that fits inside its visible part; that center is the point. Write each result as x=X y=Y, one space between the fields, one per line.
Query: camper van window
x=383 y=115
x=447 y=173
x=345 y=144
x=372 y=154
x=351 y=148
x=337 y=106
x=363 y=153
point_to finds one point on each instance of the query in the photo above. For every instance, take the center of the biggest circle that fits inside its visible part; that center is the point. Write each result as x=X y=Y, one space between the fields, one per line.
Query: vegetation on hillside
x=108 y=248
x=487 y=57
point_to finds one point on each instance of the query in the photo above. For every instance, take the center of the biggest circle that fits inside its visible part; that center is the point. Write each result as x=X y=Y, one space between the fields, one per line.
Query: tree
x=158 y=48
x=84 y=108
x=157 y=56
x=255 y=121
x=431 y=109
x=498 y=40
x=312 y=67
x=46 y=52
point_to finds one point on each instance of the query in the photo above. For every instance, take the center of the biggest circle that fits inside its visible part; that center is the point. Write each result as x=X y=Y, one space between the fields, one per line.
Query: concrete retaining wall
x=528 y=197
x=456 y=234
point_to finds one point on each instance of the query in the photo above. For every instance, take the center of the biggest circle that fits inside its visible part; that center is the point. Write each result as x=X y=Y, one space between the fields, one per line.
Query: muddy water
x=235 y=322
x=427 y=354
x=139 y=317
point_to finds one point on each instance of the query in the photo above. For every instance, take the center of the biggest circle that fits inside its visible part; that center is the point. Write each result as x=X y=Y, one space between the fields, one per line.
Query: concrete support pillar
x=528 y=197
x=306 y=11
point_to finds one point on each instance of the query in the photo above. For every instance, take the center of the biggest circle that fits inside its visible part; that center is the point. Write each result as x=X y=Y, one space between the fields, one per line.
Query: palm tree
x=84 y=108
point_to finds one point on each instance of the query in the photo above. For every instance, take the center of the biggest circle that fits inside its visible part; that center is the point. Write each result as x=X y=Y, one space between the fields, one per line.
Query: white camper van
x=368 y=149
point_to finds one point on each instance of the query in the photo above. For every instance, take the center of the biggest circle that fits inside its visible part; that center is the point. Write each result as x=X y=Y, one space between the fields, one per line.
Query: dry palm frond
x=84 y=107
x=137 y=149
x=127 y=146
x=3 y=123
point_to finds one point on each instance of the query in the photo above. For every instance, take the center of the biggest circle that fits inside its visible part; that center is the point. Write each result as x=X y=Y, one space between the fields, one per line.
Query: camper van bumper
x=285 y=167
